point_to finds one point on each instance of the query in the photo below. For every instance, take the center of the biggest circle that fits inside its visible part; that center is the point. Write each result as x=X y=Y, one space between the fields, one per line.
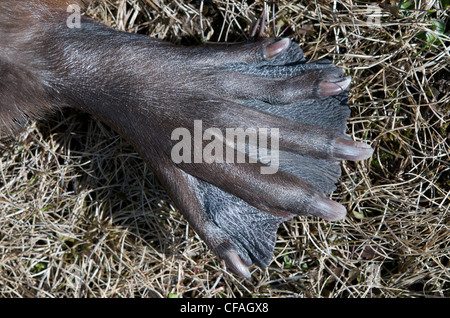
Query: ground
x=82 y=216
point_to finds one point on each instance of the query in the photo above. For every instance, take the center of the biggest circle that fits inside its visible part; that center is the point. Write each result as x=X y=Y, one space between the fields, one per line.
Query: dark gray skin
x=145 y=88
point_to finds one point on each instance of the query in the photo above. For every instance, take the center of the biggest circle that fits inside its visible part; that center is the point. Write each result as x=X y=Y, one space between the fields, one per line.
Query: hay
x=82 y=216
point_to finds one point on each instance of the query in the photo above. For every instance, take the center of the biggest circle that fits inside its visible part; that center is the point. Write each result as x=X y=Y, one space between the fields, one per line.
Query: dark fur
x=145 y=88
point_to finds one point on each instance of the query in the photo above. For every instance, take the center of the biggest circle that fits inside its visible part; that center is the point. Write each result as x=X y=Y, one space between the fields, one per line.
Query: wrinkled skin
x=145 y=89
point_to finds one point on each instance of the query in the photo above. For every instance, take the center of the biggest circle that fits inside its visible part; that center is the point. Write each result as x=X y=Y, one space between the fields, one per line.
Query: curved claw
x=233 y=260
x=276 y=48
x=236 y=265
x=328 y=209
x=334 y=85
x=351 y=150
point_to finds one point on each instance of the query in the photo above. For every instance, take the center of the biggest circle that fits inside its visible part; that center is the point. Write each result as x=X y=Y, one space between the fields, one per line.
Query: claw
x=328 y=209
x=351 y=150
x=276 y=48
x=236 y=265
x=334 y=86
x=231 y=257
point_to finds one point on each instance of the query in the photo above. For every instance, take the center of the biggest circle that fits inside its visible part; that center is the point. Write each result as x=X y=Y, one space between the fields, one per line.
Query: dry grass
x=82 y=216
